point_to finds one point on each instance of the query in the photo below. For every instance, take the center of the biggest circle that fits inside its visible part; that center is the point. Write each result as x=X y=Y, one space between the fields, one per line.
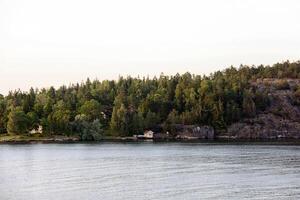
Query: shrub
x=282 y=85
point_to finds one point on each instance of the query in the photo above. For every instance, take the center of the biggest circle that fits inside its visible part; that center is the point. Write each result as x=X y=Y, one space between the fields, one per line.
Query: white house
x=37 y=130
x=148 y=134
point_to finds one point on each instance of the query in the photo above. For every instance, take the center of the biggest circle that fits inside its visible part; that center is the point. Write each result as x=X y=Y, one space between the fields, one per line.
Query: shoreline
x=71 y=140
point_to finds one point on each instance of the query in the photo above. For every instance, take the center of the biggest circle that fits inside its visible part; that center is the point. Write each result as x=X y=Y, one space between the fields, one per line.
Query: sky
x=50 y=43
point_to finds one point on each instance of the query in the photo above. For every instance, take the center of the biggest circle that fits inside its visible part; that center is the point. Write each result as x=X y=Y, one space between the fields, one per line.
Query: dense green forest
x=131 y=105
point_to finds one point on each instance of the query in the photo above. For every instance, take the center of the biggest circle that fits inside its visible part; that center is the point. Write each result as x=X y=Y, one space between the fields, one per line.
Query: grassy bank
x=32 y=139
x=26 y=139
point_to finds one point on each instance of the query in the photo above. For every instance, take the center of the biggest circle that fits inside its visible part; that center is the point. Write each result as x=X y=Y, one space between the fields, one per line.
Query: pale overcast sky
x=56 y=42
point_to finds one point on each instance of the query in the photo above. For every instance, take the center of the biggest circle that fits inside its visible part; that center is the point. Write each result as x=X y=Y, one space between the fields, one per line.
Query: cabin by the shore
x=147 y=135
x=37 y=130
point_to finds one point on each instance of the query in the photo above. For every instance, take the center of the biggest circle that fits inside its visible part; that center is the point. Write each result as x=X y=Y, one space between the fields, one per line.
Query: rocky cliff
x=281 y=119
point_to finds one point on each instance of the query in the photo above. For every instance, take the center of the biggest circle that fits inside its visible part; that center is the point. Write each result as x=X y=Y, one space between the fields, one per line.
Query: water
x=132 y=171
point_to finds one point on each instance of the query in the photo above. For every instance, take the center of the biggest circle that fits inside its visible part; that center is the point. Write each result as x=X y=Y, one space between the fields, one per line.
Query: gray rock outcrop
x=280 y=120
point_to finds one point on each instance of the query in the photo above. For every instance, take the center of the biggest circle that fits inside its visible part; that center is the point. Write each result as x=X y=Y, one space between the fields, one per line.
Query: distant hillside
x=248 y=102
x=280 y=119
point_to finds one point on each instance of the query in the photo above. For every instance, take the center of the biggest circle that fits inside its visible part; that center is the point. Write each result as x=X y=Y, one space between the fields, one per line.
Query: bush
x=87 y=130
x=296 y=97
x=282 y=85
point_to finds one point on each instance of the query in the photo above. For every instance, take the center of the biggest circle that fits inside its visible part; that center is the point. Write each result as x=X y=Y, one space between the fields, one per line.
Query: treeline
x=131 y=105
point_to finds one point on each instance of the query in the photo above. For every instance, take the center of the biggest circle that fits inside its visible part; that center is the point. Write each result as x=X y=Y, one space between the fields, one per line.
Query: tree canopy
x=131 y=105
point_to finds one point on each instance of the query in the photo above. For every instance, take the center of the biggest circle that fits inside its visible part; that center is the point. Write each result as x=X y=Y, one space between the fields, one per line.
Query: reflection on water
x=149 y=171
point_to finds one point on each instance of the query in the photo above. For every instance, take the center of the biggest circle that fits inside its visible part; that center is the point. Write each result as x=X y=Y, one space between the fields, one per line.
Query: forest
x=128 y=106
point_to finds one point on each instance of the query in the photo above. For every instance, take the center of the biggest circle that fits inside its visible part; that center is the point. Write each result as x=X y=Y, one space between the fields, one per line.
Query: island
x=245 y=103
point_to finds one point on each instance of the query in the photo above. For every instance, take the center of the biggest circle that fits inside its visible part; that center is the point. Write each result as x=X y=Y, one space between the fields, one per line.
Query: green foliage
x=151 y=120
x=87 y=130
x=131 y=105
x=249 y=107
x=59 y=118
x=91 y=109
x=137 y=124
x=17 y=121
x=33 y=120
x=119 y=120
x=3 y=115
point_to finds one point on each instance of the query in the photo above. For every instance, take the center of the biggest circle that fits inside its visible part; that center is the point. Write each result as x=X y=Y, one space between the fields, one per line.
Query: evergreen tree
x=17 y=121
x=131 y=105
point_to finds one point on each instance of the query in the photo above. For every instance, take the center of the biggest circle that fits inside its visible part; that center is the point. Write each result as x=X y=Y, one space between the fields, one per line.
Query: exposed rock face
x=280 y=120
x=265 y=126
x=194 y=132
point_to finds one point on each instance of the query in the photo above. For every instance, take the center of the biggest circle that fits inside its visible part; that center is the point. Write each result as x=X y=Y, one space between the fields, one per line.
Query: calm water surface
x=111 y=171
